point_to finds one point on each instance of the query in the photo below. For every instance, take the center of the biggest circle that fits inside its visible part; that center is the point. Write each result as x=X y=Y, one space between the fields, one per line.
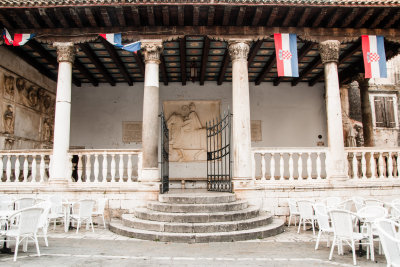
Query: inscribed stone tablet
x=256 y=131
x=132 y=131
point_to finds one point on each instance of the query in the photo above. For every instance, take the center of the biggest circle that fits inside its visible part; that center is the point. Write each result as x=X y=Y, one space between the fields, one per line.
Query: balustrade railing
x=365 y=163
x=105 y=166
x=289 y=164
x=24 y=166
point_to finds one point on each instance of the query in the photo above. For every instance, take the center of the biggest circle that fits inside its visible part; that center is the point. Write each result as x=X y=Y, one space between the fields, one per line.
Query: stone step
x=197 y=198
x=274 y=228
x=130 y=220
x=146 y=214
x=194 y=208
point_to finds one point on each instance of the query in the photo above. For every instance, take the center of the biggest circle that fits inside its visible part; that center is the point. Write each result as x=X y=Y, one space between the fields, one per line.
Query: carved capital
x=152 y=50
x=65 y=52
x=329 y=51
x=239 y=49
x=362 y=81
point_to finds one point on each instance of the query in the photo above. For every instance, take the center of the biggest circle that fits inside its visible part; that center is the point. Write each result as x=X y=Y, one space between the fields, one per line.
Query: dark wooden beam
x=196 y=14
x=136 y=16
x=257 y=16
x=182 y=52
x=139 y=62
x=349 y=18
x=224 y=66
x=392 y=20
x=365 y=17
x=150 y=16
x=5 y=21
x=378 y=19
x=288 y=16
x=117 y=60
x=90 y=16
x=239 y=19
x=267 y=68
x=105 y=16
x=163 y=70
x=272 y=16
x=120 y=16
x=307 y=70
x=304 y=17
x=204 y=60
x=181 y=15
x=319 y=17
x=301 y=54
x=43 y=14
x=211 y=14
x=32 y=19
x=253 y=52
x=333 y=19
x=350 y=72
x=17 y=19
x=75 y=17
x=227 y=15
x=165 y=13
x=96 y=61
x=61 y=18
x=84 y=71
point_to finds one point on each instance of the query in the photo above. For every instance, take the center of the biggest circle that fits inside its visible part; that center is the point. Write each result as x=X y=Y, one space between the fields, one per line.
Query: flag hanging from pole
x=133 y=47
x=113 y=38
x=286 y=54
x=19 y=38
x=374 y=56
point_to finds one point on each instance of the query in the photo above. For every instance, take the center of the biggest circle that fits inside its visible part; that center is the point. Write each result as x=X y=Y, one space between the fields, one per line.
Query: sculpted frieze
x=8 y=119
x=8 y=85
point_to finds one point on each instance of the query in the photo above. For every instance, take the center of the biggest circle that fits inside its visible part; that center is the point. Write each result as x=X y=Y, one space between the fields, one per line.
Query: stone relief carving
x=9 y=86
x=47 y=130
x=8 y=120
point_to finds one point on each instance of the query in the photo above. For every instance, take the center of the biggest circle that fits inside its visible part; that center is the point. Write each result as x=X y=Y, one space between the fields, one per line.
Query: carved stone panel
x=186 y=121
x=256 y=133
x=8 y=86
x=132 y=131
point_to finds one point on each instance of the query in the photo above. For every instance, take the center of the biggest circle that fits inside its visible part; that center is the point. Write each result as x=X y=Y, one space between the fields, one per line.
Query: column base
x=150 y=175
x=58 y=183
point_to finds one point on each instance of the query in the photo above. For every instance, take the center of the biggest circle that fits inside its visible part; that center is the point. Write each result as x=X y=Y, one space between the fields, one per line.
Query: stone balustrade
x=289 y=164
x=368 y=164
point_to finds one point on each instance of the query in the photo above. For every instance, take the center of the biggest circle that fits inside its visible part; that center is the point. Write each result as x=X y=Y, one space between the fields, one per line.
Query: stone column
x=329 y=51
x=241 y=135
x=151 y=100
x=366 y=111
x=60 y=162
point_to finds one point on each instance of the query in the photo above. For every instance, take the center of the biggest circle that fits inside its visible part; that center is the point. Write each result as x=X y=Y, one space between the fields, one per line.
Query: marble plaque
x=186 y=121
x=256 y=134
x=132 y=131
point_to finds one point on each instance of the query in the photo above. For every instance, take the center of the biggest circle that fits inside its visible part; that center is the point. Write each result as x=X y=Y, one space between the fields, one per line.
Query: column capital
x=65 y=51
x=329 y=51
x=362 y=81
x=239 y=49
x=152 y=50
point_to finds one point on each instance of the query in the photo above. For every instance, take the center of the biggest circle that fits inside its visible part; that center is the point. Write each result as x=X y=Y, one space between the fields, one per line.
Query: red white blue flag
x=374 y=56
x=19 y=38
x=113 y=38
x=286 y=54
x=132 y=47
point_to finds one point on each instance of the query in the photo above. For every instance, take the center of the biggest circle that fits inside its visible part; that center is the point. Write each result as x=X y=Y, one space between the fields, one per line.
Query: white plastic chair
x=374 y=202
x=358 y=202
x=293 y=211
x=26 y=227
x=390 y=244
x=345 y=205
x=25 y=202
x=100 y=207
x=6 y=202
x=332 y=202
x=84 y=214
x=57 y=210
x=321 y=213
x=395 y=212
x=343 y=232
x=44 y=220
x=306 y=214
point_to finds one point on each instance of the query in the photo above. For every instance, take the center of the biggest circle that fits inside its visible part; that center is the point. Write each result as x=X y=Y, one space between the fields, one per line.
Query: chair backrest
x=26 y=202
x=101 y=205
x=395 y=210
x=56 y=204
x=46 y=206
x=373 y=212
x=342 y=223
x=390 y=244
x=293 y=206
x=332 y=202
x=6 y=202
x=358 y=202
x=27 y=220
x=306 y=209
x=86 y=208
x=345 y=205
x=374 y=202
x=321 y=212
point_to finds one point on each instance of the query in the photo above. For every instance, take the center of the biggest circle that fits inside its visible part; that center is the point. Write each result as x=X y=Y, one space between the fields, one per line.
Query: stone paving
x=104 y=248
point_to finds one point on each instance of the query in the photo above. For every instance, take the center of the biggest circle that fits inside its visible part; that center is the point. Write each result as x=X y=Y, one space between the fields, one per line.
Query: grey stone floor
x=104 y=248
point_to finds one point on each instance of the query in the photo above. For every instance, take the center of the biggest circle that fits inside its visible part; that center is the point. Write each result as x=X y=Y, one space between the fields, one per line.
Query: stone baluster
x=363 y=165
x=291 y=166
x=34 y=169
x=281 y=166
x=253 y=166
x=355 y=165
x=121 y=168
x=397 y=164
x=309 y=166
x=42 y=168
x=70 y=168
x=329 y=51
x=105 y=168
x=272 y=167
x=300 y=166
x=8 y=168
x=80 y=168
x=88 y=168
x=26 y=168
x=17 y=168
x=113 y=169
x=373 y=165
x=390 y=165
x=129 y=168
x=263 y=166
x=381 y=165
x=96 y=168
x=1 y=167
x=140 y=160
x=319 y=166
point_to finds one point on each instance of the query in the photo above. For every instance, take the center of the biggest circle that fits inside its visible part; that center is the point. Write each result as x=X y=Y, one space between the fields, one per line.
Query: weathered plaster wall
x=27 y=105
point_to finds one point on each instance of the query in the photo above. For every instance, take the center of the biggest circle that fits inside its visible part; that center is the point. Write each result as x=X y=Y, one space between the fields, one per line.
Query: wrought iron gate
x=164 y=186
x=219 y=164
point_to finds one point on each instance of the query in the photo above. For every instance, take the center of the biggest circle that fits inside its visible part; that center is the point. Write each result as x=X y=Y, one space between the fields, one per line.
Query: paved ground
x=104 y=248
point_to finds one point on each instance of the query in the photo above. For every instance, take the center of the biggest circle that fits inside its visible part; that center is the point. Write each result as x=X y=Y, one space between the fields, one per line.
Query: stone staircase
x=197 y=218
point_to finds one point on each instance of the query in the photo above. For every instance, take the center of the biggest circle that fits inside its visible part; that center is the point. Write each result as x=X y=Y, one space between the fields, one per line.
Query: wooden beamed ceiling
x=99 y=62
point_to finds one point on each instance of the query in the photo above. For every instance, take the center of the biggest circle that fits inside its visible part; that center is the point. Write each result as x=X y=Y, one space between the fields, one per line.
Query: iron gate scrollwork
x=219 y=164
x=164 y=186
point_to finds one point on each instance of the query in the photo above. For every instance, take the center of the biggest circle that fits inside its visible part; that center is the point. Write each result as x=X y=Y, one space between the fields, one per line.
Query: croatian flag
x=133 y=47
x=374 y=56
x=286 y=54
x=19 y=38
x=113 y=38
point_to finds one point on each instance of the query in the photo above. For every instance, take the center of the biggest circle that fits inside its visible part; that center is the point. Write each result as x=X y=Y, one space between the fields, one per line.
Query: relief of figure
x=359 y=136
x=186 y=133
x=9 y=85
x=21 y=84
x=47 y=130
x=351 y=136
x=8 y=119
x=32 y=96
